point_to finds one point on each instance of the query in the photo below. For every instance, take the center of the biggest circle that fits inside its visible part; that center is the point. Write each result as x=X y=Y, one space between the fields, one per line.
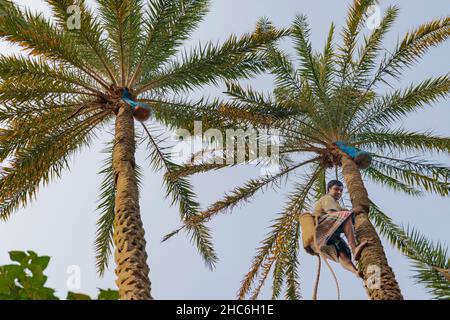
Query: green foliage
x=25 y=280
x=106 y=206
x=88 y=38
x=41 y=155
x=180 y=190
x=77 y=296
x=108 y=294
x=209 y=64
x=430 y=261
x=167 y=25
x=275 y=248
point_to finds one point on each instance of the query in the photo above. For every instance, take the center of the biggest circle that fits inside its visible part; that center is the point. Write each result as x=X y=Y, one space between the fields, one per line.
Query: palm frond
x=244 y=193
x=367 y=54
x=12 y=112
x=181 y=192
x=386 y=180
x=106 y=207
x=402 y=140
x=292 y=262
x=182 y=113
x=271 y=248
x=392 y=107
x=40 y=37
x=277 y=279
x=123 y=21
x=309 y=62
x=284 y=71
x=191 y=169
x=415 y=174
x=19 y=70
x=42 y=161
x=89 y=37
x=31 y=126
x=356 y=16
x=167 y=25
x=413 y=46
x=208 y=64
x=430 y=260
x=327 y=69
x=214 y=114
x=256 y=103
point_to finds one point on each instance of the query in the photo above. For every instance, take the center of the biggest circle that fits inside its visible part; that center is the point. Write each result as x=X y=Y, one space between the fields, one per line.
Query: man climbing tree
x=332 y=220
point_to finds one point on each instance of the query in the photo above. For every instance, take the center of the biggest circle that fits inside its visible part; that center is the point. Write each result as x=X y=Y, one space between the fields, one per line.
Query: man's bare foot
x=348 y=265
x=357 y=251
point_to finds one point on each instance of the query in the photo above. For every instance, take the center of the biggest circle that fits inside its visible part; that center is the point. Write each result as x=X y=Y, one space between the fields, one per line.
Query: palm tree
x=335 y=96
x=68 y=87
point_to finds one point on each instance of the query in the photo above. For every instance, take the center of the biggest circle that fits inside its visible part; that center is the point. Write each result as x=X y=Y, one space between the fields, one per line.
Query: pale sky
x=61 y=223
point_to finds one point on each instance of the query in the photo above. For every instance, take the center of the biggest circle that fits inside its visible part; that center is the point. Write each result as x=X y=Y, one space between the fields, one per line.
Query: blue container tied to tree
x=141 y=110
x=362 y=158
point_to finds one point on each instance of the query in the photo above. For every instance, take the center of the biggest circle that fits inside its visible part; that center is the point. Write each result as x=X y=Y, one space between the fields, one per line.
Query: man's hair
x=334 y=183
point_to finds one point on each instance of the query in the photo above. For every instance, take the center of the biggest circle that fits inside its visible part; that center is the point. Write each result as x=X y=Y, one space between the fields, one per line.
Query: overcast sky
x=61 y=223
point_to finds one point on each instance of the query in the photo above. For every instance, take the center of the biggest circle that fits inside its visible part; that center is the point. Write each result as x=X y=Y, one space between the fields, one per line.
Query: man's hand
x=358 y=210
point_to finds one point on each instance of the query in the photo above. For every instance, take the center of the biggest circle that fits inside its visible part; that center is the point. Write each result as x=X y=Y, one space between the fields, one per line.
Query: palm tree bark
x=379 y=278
x=132 y=270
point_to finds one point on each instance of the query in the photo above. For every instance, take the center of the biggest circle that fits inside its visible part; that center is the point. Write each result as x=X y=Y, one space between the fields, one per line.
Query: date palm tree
x=332 y=96
x=69 y=85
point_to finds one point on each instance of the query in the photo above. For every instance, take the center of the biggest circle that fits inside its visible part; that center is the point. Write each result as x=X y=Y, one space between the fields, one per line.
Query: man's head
x=335 y=188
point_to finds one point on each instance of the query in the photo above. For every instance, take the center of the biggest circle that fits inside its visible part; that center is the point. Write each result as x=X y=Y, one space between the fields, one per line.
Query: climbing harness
x=309 y=225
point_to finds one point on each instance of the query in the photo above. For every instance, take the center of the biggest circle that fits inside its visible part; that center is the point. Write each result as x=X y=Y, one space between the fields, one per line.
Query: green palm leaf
x=430 y=260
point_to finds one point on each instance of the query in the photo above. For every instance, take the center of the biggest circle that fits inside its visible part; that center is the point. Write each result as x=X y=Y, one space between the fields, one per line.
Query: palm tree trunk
x=130 y=255
x=379 y=278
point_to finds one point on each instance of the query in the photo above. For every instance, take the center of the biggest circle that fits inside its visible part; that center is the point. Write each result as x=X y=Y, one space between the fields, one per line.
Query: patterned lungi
x=328 y=231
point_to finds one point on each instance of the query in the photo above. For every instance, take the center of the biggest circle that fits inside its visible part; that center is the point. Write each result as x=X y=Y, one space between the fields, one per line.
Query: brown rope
x=319 y=255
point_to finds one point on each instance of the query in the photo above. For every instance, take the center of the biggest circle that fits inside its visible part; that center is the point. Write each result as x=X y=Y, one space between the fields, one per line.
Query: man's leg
x=349 y=232
x=345 y=261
